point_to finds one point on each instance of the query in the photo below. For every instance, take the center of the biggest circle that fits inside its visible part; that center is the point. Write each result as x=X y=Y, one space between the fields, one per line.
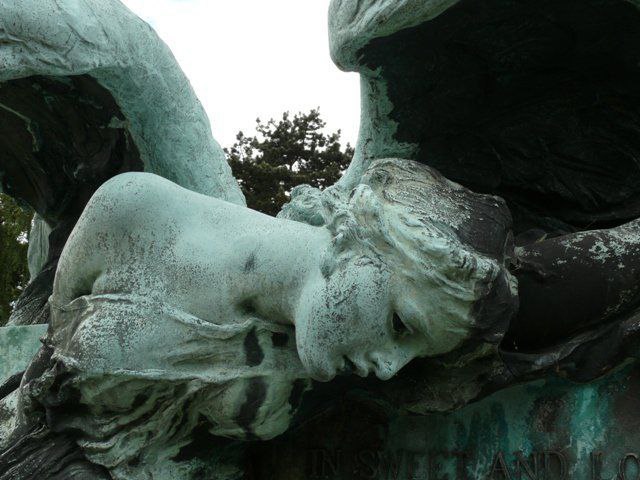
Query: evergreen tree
x=283 y=154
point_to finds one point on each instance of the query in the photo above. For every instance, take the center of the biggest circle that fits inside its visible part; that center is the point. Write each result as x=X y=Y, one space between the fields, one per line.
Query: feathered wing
x=87 y=91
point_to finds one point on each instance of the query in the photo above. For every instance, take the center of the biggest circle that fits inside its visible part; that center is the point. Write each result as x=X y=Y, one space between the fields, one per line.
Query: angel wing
x=537 y=104
x=87 y=91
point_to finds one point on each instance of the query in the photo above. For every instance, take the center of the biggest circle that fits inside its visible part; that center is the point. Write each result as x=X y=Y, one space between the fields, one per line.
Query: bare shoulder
x=134 y=199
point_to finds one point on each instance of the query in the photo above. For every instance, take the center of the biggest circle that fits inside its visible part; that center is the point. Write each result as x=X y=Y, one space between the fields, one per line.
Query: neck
x=282 y=256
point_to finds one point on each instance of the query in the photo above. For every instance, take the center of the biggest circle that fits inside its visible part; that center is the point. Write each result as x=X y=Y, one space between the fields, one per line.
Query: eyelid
x=399 y=326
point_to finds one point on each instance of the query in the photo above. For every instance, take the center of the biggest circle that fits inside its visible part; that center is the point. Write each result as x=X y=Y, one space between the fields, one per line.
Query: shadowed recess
x=536 y=101
x=62 y=137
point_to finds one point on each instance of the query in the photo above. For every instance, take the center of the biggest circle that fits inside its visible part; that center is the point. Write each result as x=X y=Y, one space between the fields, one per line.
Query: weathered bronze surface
x=462 y=304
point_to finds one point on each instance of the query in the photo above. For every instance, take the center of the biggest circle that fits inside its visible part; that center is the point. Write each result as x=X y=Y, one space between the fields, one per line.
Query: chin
x=318 y=368
x=385 y=375
x=321 y=374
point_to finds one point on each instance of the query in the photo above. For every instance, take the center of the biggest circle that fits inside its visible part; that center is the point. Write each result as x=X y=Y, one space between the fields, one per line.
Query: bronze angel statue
x=484 y=234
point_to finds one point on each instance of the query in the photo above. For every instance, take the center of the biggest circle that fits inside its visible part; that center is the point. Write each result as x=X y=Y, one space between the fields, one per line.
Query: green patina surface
x=108 y=42
x=545 y=416
x=147 y=249
x=549 y=429
x=18 y=345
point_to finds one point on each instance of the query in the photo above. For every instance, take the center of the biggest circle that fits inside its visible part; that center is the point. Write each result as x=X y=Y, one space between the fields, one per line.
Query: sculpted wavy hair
x=449 y=242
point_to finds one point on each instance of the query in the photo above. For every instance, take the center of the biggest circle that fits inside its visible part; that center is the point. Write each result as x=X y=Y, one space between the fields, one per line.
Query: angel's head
x=416 y=267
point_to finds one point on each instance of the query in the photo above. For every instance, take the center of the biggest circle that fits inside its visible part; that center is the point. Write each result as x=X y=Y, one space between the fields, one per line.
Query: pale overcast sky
x=256 y=58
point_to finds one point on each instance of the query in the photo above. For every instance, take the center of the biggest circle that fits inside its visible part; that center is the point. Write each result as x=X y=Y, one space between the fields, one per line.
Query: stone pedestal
x=549 y=430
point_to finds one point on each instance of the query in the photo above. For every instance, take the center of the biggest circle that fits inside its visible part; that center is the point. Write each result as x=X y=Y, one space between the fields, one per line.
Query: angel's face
x=350 y=323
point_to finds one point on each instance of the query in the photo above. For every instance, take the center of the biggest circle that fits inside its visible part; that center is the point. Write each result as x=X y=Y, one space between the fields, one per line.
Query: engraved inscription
x=327 y=464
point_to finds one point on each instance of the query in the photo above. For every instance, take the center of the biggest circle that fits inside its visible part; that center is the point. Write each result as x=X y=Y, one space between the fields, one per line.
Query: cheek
x=318 y=331
x=347 y=316
x=357 y=305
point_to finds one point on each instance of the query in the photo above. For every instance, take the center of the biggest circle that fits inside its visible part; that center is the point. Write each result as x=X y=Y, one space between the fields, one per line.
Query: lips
x=383 y=369
x=348 y=366
x=358 y=366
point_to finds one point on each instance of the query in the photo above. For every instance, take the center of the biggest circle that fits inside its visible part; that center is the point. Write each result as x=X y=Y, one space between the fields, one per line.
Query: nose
x=386 y=366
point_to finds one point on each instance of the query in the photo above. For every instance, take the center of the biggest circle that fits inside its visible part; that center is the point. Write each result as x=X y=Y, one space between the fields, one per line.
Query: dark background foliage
x=283 y=154
x=14 y=275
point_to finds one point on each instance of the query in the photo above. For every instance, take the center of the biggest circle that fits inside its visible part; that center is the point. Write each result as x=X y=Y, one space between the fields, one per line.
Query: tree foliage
x=14 y=273
x=283 y=154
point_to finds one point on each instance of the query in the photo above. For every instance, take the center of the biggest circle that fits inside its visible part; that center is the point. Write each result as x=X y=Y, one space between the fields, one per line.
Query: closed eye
x=399 y=327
